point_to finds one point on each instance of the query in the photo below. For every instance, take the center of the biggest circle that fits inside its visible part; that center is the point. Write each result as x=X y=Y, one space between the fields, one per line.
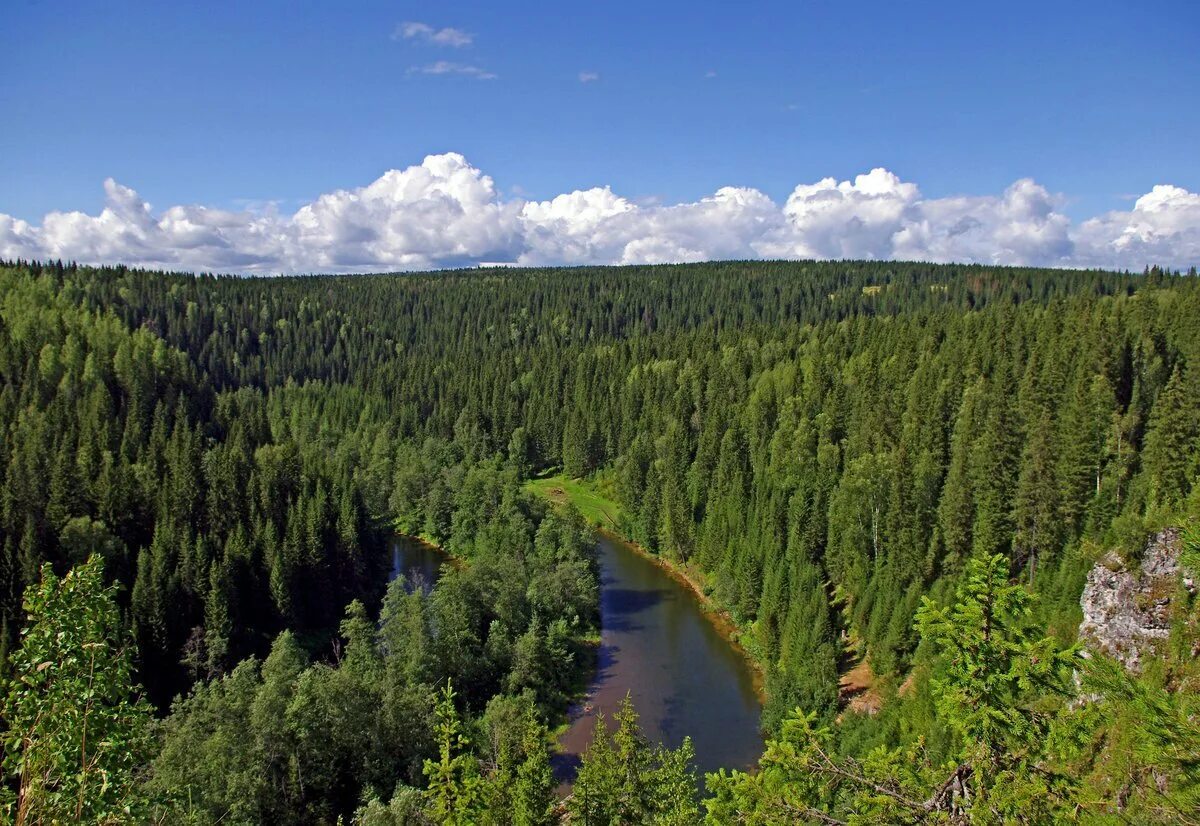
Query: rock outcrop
x=1127 y=613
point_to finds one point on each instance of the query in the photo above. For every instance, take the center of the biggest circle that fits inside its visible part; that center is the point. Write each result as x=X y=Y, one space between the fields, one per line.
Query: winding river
x=657 y=644
x=684 y=677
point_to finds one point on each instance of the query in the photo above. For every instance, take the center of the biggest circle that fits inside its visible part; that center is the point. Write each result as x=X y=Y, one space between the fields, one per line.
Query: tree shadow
x=565 y=766
x=620 y=605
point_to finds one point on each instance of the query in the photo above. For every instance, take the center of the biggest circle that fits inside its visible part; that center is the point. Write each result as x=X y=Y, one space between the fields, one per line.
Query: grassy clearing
x=592 y=498
x=585 y=494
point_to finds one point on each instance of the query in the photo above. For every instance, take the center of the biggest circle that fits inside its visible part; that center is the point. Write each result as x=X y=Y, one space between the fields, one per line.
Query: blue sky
x=230 y=105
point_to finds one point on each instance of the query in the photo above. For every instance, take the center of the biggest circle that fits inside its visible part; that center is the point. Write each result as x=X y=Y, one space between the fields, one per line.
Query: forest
x=906 y=467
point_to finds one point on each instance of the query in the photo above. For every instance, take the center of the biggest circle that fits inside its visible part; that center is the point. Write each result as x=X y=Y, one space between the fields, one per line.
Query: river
x=684 y=677
x=657 y=644
x=416 y=560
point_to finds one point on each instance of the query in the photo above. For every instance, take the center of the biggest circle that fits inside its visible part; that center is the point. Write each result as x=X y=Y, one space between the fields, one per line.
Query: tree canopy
x=899 y=466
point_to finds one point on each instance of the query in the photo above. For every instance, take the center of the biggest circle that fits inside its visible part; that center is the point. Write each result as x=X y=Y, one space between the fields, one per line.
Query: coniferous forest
x=906 y=470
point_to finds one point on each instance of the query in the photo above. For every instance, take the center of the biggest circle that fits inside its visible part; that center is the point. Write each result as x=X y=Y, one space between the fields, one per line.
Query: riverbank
x=423 y=540
x=690 y=577
x=427 y=542
x=593 y=504
x=604 y=515
x=586 y=645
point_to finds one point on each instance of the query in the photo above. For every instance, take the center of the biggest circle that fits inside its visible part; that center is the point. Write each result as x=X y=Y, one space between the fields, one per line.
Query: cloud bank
x=447 y=213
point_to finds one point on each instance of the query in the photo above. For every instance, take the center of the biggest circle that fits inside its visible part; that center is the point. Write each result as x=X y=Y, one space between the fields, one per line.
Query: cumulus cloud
x=444 y=212
x=598 y=227
x=589 y=77
x=411 y=30
x=1163 y=226
x=449 y=67
x=829 y=219
x=1019 y=227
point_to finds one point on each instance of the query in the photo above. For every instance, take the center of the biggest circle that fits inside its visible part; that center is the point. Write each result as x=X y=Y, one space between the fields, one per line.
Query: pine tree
x=956 y=511
x=272 y=732
x=622 y=779
x=993 y=466
x=993 y=660
x=1036 y=516
x=455 y=793
x=1172 y=440
x=990 y=665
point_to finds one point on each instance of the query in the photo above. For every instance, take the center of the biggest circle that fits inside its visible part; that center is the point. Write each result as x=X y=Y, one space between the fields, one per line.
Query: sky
x=294 y=137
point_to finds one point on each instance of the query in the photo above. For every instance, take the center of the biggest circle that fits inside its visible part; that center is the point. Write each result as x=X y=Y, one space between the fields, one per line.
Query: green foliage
x=520 y=789
x=1136 y=744
x=1174 y=428
x=406 y=808
x=994 y=687
x=77 y=736
x=596 y=508
x=827 y=442
x=306 y=741
x=623 y=780
x=501 y=775
x=455 y=794
x=1189 y=556
x=799 y=779
x=1133 y=739
x=992 y=659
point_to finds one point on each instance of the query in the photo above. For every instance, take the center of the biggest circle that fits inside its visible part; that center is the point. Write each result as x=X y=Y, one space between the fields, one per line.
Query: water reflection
x=684 y=677
x=655 y=643
x=418 y=562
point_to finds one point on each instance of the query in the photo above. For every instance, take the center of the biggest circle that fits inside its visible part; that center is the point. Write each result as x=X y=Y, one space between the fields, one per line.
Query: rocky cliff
x=1127 y=613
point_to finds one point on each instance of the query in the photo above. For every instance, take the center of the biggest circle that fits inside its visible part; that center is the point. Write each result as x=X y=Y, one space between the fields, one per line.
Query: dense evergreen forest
x=909 y=466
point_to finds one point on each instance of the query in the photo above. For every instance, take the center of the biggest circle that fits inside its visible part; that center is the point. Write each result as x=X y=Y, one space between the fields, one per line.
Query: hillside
x=836 y=449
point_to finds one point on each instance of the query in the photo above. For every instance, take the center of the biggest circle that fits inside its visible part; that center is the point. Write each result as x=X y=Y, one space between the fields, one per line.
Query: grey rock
x=1127 y=614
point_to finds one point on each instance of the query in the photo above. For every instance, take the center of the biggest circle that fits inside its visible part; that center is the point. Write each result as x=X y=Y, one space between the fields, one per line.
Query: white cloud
x=598 y=227
x=570 y=227
x=19 y=240
x=444 y=212
x=589 y=77
x=1019 y=227
x=411 y=30
x=448 y=67
x=1163 y=226
x=843 y=220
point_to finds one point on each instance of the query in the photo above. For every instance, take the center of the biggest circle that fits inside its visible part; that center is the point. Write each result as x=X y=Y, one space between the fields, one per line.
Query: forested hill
x=826 y=442
x=262 y=331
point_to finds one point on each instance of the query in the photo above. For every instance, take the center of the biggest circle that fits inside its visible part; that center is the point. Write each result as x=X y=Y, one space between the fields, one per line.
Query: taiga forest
x=895 y=486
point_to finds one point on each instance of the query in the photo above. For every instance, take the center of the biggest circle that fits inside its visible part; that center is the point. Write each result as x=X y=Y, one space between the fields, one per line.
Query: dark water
x=417 y=561
x=684 y=677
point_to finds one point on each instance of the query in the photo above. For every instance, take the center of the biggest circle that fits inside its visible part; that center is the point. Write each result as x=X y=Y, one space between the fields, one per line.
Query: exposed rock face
x=1127 y=613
